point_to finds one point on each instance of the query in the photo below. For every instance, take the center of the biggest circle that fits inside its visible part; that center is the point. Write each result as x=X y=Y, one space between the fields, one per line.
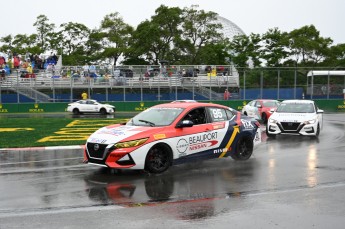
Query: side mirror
x=259 y=106
x=272 y=110
x=185 y=123
x=320 y=111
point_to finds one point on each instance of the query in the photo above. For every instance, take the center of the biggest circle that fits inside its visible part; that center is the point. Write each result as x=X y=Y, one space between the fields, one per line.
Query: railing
x=140 y=85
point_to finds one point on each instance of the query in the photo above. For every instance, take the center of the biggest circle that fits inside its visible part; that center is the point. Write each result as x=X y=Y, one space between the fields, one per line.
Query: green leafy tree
x=7 y=43
x=274 y=50
x=154 y=39
x=45 y=31
x=23 y=43
x=307 y=47
x=114 y=35
x=244 y=48
x=199 y=28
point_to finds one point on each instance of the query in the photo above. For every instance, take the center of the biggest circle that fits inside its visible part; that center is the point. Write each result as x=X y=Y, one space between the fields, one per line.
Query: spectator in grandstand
x=2 y=61
x=227 y=94
x=184 y=73
x=29 y=68
x=117 y=72
x=16 y=62
x=86 y=70
x=10 y=63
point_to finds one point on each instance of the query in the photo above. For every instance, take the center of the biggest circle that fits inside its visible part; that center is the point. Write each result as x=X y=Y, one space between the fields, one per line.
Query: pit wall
x=335 y=105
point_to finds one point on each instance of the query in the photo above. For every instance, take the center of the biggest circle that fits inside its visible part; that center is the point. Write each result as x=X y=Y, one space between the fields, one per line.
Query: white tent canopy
x=326 y=73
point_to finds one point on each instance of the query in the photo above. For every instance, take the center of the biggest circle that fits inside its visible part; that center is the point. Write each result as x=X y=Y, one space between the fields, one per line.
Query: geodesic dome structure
x=230 y=29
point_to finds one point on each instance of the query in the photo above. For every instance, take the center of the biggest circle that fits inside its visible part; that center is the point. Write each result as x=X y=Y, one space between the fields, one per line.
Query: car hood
x=116 y=133
x=293 y=117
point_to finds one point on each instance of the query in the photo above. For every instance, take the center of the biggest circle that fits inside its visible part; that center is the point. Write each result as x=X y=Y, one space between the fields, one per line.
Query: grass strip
x=36 y=132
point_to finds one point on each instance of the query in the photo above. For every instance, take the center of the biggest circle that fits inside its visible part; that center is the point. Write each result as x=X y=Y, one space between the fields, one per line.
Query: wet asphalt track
x=290 y=182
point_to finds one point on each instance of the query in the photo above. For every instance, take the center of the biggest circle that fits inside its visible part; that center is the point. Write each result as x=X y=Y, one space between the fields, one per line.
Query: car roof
x=298 y=101
x=189 y=105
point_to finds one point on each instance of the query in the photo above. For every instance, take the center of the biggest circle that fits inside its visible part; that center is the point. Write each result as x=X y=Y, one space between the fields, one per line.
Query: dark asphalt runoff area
x=289 y=182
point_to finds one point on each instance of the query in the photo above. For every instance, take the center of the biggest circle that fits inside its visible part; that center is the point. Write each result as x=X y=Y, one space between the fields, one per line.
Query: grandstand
x=65 y=83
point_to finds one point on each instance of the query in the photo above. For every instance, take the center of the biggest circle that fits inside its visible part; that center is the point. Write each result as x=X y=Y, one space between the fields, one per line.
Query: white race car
x=90 y=106
x=295 y=117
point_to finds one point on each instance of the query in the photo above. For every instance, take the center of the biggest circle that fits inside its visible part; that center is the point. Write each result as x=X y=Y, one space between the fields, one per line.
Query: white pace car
x=295 y=117
x=90 y=106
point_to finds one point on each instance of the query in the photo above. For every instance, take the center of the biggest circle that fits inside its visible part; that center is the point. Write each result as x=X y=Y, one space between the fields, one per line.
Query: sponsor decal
x=218 y=126
x=216 y=151
x=36 y=109
x=141 y=107
x=115 y=132
x=76 y=130
x=3 y=110
x=159 y=136
x=202 y=145
x=196 y=143
x=202 y=138
x=97 y=140
x=182 y=146
x=340 y=107
x=247 y=124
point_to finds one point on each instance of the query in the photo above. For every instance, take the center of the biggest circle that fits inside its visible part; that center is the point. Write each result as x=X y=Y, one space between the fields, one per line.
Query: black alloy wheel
x=244 y=149
x=158 y=159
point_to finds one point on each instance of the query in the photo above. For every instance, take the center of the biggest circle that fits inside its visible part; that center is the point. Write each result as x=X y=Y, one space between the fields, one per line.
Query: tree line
x=182 y=36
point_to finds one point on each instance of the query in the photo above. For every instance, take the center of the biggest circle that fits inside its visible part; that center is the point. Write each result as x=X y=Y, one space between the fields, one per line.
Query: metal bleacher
x=44 y=79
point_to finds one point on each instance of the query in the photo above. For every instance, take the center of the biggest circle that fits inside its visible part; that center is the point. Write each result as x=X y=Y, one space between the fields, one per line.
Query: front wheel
x=264 y=118
x=317 y=131
x=158 y=159
x=244 y=149
x=103 y=111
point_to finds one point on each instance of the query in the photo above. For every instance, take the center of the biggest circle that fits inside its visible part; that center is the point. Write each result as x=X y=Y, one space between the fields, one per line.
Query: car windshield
x=163 y=116
x=295 y=108
x=270 y=103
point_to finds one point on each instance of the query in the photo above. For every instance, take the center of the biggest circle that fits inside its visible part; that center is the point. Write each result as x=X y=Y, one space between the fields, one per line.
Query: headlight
x=271 y=120
x=310 y=121
x=133 y=143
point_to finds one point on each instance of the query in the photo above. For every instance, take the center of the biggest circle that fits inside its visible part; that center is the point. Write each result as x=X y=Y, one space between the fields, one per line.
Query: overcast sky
x=252 y=16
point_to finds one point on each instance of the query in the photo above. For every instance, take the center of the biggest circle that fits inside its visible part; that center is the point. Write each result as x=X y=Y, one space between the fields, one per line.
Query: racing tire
x=158 y=159
x=264 y=118
x=317 y=131
x=76 y=111
x=103 y=111
x=244 y=149
x=268 y=134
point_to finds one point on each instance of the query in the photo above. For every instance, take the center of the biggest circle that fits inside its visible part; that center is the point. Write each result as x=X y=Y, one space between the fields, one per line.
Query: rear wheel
x=158 y=159
x=76 y=111
x=244 y=149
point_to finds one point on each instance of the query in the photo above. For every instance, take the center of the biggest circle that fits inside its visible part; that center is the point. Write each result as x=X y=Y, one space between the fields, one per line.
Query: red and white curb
x=44 y=148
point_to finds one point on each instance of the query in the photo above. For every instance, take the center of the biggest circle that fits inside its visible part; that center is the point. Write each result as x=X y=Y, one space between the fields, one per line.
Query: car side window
x=217 y=114
x=197 y=116
x=229 y=114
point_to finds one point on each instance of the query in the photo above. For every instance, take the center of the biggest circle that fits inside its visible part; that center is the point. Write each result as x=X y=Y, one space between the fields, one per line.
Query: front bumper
x=292 y=128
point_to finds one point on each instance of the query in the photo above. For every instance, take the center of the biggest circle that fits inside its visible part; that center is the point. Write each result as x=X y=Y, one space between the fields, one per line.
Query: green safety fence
x=336 y=105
